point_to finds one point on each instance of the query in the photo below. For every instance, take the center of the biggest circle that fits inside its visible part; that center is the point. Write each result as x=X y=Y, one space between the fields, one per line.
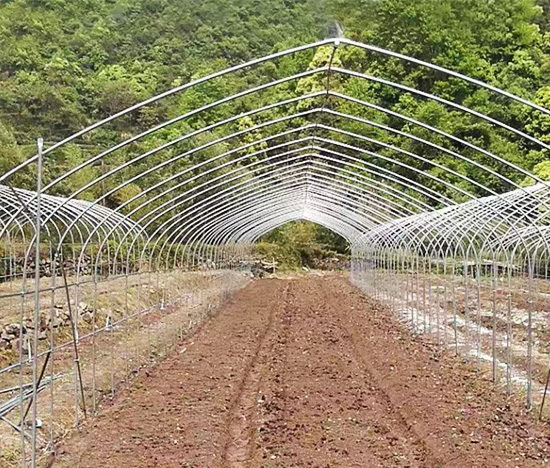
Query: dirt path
x=308 y=373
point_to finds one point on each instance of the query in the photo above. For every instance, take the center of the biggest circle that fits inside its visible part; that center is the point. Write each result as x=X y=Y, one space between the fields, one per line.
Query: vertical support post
x=36 y=318
x=509 y=331
x=94 y=346
x=531 y=295
x=494 y=318
x=52 y=346
x=455 y=311
x=466 y=311
x=478 y=318
x=445 y=302
x=424 y=307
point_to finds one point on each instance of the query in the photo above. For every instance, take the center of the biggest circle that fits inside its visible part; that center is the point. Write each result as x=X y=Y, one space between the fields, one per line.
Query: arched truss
x=200 y=172
x=300 y=154
x=315 y=143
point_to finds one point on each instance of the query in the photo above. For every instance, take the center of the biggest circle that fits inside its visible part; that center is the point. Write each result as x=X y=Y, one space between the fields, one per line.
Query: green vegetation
x=303 y=243
x=65 y=64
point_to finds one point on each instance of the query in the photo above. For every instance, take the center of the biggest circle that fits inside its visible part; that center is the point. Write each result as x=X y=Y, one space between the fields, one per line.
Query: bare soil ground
x=308 y=373
x=110 y=359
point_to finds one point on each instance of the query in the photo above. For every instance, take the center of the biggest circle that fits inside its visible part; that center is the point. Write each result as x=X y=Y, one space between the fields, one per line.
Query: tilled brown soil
x=308 y=373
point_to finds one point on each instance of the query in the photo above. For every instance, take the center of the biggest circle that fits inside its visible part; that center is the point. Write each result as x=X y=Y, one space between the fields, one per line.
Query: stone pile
x=50 y=267
x=12 y=333
x=338 y=262
x=10 y=336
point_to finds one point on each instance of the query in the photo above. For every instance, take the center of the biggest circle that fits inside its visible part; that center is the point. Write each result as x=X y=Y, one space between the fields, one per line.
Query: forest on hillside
x=66 y=64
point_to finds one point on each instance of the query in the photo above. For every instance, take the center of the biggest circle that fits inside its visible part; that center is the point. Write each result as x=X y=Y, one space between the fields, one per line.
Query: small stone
x=5 y=344
x=88 y=317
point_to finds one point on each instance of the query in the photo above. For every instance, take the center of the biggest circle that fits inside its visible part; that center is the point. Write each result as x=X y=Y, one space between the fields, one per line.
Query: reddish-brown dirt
x=308 y=373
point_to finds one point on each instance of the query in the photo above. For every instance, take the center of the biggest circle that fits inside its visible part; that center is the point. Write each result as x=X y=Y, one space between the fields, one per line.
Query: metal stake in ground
x=544 y=395
x=73 y=331
x=31 y=403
